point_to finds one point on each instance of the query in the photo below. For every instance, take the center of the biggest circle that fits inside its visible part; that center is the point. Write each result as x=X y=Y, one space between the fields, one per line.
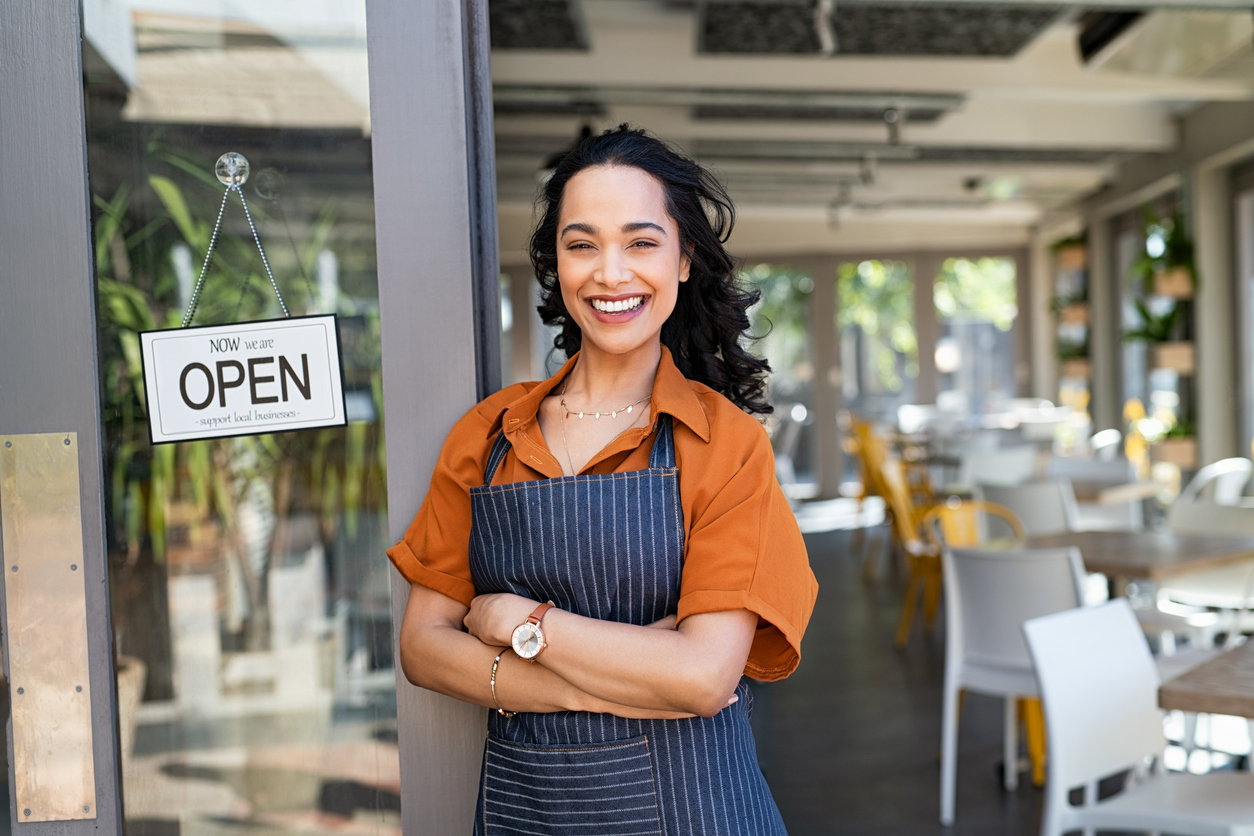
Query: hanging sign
x=251 y=377
x=245 y=378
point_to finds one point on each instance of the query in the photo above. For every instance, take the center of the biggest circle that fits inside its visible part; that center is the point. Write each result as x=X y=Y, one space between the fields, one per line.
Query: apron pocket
x=593 y=790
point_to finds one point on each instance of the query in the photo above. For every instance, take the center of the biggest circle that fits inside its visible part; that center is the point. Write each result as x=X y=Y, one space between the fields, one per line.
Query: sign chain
x=232 y=170
x=195 y=300
x=265 y=261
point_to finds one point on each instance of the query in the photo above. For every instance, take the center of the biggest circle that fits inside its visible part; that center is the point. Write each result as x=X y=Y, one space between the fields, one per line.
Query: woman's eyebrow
x=586 y=229
x=639 y=225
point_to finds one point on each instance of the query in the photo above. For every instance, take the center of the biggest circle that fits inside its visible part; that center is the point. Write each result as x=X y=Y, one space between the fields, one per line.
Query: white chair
x=1226 y=588
x=1005 y=466
x=1227 y=479
x=1104 y=445
x=1104 y=472
x=1100 y=688
x=1044 y=508
x=988 y=596
x=1094 y=475
x=1207 y=517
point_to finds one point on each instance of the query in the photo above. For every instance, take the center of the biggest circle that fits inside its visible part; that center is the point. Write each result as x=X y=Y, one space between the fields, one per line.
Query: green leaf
x=171 y=197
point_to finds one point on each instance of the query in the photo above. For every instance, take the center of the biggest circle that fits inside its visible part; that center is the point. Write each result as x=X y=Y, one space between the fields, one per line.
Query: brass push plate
x=46 y=606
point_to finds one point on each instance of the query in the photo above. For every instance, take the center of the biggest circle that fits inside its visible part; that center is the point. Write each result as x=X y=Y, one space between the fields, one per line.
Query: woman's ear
x=685 y=265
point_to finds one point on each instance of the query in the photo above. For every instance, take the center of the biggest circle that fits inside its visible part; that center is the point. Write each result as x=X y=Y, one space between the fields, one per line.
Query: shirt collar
x=672 y=394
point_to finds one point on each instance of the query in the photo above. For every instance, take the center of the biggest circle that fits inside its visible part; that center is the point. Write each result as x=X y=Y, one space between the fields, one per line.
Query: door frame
x=49 y=380
x=439 y=302
x=431 y=117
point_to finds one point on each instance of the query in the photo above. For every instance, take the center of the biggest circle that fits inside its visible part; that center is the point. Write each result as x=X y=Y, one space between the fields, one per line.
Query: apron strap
x=663 y=454
x=499 y=448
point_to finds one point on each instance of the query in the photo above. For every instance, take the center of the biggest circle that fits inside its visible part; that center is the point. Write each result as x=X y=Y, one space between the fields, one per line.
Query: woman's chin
x=620 y=344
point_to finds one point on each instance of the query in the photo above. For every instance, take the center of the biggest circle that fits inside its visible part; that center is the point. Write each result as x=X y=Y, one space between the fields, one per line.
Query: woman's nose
x=614 y=270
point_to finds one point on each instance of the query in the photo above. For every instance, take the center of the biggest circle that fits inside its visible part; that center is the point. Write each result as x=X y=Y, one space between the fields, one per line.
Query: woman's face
x=619 y=260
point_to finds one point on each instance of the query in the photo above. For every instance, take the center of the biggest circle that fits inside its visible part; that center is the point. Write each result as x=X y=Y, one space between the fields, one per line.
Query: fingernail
x=735 y=699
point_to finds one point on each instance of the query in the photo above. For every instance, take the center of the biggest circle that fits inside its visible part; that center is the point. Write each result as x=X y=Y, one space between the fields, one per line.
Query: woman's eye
x=644 y=244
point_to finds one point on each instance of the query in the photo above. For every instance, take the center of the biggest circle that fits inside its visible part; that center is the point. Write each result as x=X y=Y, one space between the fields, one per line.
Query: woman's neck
x=607 y=381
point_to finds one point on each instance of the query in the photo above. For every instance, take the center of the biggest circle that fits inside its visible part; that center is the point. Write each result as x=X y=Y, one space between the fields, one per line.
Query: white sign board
x=251 y=377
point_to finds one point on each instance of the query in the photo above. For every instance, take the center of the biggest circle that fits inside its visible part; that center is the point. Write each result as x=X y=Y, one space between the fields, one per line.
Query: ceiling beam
x=694 y=97
x=1104 y=5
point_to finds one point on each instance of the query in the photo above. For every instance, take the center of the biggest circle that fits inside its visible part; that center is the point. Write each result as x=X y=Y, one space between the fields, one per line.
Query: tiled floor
x=850 y=743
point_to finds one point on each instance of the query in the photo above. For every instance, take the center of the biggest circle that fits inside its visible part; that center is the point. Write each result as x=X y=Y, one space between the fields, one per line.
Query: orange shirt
x=742 y=547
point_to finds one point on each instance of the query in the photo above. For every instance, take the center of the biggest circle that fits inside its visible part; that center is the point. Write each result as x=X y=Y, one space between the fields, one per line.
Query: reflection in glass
x=976 y=307
x=879 y=350
x=249 y=586
x=781 y=322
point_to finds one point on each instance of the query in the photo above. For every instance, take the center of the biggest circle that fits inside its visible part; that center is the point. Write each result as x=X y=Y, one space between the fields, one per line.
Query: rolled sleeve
x=435 y=551
x=745 y=551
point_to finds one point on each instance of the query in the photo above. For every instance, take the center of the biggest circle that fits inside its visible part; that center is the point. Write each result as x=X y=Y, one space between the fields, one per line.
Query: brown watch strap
x=538 y=614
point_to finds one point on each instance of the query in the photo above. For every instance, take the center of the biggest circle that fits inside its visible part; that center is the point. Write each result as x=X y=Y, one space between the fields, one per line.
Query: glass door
x=241 y=581
x=250 y=596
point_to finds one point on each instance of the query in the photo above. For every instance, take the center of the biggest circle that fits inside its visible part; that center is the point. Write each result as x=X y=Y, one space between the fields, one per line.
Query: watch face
x=527 y=640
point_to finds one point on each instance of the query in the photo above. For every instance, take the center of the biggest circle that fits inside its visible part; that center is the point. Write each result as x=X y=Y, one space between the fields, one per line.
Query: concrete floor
x=850 y=742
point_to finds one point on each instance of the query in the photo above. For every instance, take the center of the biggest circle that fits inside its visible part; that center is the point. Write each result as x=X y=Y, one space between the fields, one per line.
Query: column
x=1218 y=395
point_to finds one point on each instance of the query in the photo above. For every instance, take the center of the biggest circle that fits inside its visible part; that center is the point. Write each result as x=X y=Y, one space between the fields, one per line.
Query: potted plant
x=1167 y=267
x=1177 y=446
x=1073 y=360
x=1159 y=329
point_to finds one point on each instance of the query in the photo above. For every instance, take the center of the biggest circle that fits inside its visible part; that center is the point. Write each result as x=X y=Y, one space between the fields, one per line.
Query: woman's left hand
x=493 y=618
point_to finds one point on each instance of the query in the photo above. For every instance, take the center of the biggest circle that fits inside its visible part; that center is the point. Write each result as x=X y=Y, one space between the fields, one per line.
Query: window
x=879 y=349
x=780 y=322
x=976 y=306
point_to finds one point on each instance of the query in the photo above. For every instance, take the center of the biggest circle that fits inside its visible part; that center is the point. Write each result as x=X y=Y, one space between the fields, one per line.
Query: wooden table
x=1224 y=685
x=1149 y=554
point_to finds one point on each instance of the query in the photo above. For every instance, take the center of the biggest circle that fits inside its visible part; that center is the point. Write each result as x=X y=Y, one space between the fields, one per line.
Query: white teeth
x=628 y=304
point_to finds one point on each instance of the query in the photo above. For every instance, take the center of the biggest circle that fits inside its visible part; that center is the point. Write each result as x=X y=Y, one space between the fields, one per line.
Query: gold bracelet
x=495 y=664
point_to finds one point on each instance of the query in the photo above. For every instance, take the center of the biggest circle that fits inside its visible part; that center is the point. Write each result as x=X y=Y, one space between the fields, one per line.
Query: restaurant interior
x=1005 y=252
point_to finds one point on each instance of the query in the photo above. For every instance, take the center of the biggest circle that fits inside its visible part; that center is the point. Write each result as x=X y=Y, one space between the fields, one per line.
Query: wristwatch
x=528 y=639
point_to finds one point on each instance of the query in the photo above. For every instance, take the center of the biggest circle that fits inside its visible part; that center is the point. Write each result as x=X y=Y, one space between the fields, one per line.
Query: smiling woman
x=605 y=556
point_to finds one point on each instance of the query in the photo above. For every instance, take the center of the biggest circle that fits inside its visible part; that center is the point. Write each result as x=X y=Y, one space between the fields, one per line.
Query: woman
x=603 y=556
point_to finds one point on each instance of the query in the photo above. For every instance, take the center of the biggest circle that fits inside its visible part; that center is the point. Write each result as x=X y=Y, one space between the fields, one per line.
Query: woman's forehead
x=615 y=195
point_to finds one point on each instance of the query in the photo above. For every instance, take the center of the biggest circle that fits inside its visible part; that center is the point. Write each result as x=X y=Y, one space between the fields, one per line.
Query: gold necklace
x=613 y=413
x=561 y=420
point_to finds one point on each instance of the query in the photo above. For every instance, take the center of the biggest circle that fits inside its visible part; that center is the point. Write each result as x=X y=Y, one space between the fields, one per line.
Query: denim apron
x=607 y=547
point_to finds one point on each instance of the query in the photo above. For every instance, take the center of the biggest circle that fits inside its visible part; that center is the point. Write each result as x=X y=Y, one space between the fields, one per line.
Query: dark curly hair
x=704 y=331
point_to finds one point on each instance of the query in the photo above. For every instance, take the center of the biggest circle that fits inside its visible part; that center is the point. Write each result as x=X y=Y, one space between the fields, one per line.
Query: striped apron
x=607 y=547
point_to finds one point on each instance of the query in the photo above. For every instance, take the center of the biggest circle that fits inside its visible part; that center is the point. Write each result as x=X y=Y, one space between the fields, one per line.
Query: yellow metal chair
x=872 y=452
x=923 y=559
x=958 y=523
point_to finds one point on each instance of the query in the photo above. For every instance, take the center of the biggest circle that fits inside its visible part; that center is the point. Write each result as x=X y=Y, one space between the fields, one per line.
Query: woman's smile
x=619 y=307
